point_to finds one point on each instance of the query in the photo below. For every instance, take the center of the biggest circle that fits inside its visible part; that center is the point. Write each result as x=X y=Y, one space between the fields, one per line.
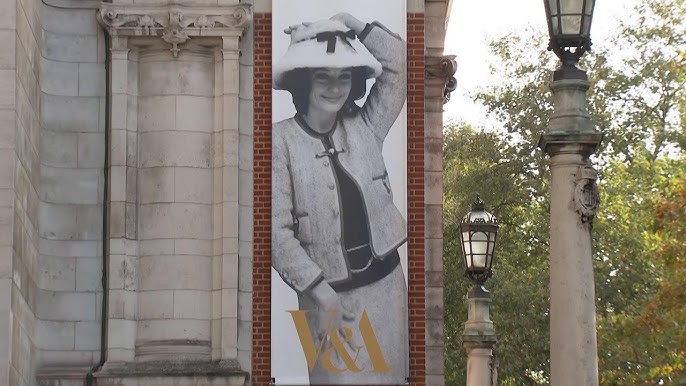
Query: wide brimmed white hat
x=325 y=43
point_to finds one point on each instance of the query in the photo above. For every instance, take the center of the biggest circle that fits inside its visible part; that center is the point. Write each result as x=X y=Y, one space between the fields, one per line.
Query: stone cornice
x=173 y=23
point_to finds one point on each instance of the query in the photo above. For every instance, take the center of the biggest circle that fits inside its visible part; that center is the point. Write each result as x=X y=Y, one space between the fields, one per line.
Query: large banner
x=339 y=192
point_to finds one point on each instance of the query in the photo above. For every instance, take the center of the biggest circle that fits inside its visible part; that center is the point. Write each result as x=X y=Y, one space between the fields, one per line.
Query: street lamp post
x=570 y=140
x=478 y=233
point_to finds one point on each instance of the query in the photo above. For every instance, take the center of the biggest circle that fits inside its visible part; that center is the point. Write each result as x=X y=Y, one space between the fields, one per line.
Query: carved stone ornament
x=175 y=25
x=443 y=68
x=586 y=197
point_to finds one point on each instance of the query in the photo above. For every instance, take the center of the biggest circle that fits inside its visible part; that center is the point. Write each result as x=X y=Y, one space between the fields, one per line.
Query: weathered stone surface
x=157 y=185
x=7 y=82
x=175 y=220
x=91 y=80
x=56 y=273
x=162 y=76
x=194 y=113
x=434 y=302
x=193 y=185
x=70 y=113
x=122 y=304
x=191 y=304
x=87 y=335
x=54 y=335
x=89 y=274
x=70 y=48
x=434 y=360
x=70 y=186
x=69 y=21
x=189 y=272
x=222 y=373
x=66 y=306
x=175 y=149
x=156 y=304
x=157 y=113
x=59 y=78
x=178 y=329
x=59 y=148
x=434 y=333
x=91 y=150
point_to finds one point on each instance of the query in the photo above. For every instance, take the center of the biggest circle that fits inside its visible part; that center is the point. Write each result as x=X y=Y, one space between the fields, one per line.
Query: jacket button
x=326 y=163
x=335 y=212
x=332 y=186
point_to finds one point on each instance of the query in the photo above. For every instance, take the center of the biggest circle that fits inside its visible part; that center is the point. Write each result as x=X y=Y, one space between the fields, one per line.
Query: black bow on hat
x=330 y=38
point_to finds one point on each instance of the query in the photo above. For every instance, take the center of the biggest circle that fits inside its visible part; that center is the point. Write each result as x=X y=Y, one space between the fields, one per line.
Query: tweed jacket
x=307 y=243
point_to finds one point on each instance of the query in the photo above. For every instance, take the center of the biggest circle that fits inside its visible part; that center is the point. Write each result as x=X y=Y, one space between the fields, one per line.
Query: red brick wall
x=415 y=195
x=261 y=371
x=262 y=180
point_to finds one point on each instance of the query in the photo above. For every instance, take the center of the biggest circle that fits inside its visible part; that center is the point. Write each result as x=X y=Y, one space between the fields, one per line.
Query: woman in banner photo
x=335 y=228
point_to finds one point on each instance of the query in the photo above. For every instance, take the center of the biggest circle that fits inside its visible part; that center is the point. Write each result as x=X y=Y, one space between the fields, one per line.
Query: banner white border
x=288 y=364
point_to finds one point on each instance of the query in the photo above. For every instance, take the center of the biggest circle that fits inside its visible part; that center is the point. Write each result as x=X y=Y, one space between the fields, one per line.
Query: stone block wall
x=436 y=11
x=72 y=153
x=8 y=35
x=245 y=198
x=26 y=177
x=52 y=182
x=51 y=157
x=7 y=167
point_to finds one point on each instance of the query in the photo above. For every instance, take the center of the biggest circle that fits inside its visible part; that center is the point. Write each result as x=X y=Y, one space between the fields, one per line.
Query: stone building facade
x=134 y=158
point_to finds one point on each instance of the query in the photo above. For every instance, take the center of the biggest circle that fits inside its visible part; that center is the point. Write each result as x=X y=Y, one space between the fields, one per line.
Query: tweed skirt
x=384 y=303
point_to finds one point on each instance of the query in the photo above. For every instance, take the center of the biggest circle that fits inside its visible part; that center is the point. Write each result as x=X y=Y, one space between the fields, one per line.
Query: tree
x=646 y=343
x=645 y=92
x=639 y=101
x=471 y=158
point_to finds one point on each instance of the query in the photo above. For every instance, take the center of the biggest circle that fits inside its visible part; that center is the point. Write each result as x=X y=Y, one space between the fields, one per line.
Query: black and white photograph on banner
x=339 y=193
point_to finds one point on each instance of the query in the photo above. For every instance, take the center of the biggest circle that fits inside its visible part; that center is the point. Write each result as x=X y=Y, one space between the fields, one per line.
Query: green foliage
x=638 y=99
x=645 y=92
x=471 y=159
x=640 y=336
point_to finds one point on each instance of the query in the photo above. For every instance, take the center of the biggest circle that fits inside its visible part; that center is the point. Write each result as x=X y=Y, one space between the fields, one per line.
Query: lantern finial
x=478 y=203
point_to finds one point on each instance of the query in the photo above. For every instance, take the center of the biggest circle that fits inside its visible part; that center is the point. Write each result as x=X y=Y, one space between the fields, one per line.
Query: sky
x=473 y=23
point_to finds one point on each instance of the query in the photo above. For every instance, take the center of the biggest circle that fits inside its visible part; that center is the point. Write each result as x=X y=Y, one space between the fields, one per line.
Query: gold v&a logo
x=341 y=341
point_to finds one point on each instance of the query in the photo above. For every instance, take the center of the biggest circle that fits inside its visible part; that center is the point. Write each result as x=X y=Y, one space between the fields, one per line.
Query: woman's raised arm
x=387 y=96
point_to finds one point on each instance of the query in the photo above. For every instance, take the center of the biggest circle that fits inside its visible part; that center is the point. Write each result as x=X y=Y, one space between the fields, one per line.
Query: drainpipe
x=95 y=4
x=105 y=220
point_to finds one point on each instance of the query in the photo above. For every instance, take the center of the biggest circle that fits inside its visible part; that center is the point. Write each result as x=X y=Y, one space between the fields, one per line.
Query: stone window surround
x=133 y=29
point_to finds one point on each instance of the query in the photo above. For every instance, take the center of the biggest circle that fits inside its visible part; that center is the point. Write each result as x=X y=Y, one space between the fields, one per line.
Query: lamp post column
x=570 y=140
x=479 y=338
x=478 y=234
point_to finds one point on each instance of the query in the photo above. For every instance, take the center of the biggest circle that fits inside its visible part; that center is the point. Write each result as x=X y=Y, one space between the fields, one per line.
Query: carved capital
x=174 y=24
x=442 y=68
